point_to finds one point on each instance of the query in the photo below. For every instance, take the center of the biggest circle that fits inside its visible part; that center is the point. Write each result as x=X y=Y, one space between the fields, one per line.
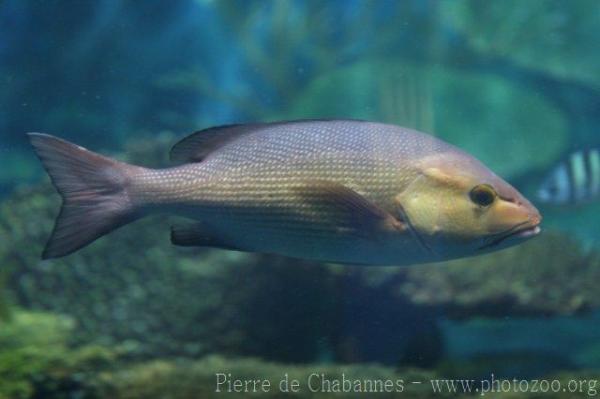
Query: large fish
x=339 y=191
x=574 y=180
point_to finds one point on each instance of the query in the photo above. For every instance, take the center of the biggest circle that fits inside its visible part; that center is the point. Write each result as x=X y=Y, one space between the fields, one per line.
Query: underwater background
x=515 y=83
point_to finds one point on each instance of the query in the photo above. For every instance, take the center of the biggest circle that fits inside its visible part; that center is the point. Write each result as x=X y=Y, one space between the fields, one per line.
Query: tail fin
x=93 y=189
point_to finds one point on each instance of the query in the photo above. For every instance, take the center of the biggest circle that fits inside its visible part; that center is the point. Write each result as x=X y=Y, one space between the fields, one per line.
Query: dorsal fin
x=196 y=146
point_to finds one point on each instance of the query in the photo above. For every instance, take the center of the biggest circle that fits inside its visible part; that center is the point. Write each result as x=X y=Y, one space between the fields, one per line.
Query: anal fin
x=196 y=235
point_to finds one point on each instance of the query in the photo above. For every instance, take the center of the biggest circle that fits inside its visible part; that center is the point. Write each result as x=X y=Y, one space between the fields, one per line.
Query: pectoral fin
x=346 y=210
x=196 y=235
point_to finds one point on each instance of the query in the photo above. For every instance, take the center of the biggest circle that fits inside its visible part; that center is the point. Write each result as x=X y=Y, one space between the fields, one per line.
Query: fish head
x=458 y=207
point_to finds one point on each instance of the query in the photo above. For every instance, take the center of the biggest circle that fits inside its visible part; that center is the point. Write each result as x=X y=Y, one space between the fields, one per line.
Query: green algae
x=186 y=379
x=197 y=379
x=36 y=359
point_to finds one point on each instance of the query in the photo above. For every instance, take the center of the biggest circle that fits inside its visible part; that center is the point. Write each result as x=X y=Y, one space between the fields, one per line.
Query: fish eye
x=483 y=195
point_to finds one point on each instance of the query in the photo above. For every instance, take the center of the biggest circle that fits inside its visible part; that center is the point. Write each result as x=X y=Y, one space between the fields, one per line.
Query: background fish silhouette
x=574 y=180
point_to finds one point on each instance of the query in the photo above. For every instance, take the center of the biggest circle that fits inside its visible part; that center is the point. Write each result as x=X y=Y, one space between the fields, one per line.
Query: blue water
x=514 y=83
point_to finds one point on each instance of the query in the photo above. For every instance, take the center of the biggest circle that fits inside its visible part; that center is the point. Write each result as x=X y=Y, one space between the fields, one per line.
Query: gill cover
x=456 y=211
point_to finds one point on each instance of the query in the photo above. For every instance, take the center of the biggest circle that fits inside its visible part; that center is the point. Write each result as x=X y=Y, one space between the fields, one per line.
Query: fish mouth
x=520 y=232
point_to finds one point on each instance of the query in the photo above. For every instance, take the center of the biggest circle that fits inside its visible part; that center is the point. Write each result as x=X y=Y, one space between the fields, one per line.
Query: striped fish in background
x=574 y=181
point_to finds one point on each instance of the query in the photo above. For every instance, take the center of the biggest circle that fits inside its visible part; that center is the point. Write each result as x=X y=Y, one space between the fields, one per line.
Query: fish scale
x=242 y=183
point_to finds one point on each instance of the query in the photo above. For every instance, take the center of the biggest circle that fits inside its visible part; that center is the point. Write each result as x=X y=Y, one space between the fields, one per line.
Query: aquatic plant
x=185 y=379
x=196 y=379
x=37 y=361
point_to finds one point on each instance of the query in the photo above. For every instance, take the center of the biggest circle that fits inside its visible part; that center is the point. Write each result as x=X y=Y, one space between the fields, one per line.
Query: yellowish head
x=458 y=207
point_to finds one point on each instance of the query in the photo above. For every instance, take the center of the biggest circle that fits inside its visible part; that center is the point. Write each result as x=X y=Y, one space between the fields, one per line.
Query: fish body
x=338 y=191
x=573 y=181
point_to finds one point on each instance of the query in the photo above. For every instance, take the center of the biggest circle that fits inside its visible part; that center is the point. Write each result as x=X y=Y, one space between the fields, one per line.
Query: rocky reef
x=37 y=361
x=550 y=275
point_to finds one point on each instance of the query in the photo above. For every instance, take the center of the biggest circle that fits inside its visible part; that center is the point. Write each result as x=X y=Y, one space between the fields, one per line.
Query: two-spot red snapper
x=337 y=190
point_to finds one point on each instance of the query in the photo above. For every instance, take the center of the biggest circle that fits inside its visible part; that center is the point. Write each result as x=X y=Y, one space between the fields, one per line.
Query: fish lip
x=521 y=231
x=528 y=232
